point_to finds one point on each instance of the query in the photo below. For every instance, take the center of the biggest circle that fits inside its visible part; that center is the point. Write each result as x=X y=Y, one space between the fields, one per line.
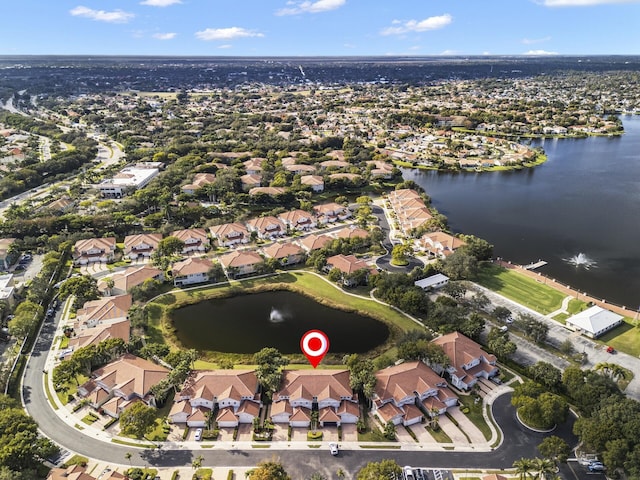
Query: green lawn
x=625 y=338
x=576 y=306
x=475 y=414
x=521 y=289
x=439 y=435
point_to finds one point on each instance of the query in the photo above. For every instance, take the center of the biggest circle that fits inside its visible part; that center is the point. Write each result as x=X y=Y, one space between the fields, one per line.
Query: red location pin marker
x=315 y=345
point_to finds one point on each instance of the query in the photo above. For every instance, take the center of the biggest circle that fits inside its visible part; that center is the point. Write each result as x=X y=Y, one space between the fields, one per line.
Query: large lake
x=584 y=199
x=248 y=323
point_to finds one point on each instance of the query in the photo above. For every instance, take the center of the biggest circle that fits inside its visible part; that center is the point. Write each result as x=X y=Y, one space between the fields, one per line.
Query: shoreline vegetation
x=539 y=160
x=308 y=284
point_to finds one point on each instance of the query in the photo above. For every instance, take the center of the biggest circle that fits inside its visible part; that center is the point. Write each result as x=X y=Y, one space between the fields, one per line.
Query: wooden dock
x=534 y=265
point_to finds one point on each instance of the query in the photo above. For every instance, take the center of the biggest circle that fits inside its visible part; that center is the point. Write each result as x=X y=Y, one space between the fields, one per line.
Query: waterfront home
x=233 y=392
x=190 y=271
x=286 y=253
x=103 y=309
x=326 y=391
x=93 y=250
x=439 y=244
x=467 y=360
x=348 y=265
x=239 y=263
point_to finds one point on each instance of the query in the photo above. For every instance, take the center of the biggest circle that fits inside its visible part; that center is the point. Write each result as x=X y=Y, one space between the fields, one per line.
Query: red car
x=611 y=350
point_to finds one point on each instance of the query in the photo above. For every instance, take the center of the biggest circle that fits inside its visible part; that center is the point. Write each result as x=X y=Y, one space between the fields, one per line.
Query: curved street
x=299 y=460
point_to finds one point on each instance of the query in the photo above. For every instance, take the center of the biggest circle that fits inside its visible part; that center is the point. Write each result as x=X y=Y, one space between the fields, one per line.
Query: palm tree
x=612 y=370
x=524 y=468
x=128 y=457
x=545 y=467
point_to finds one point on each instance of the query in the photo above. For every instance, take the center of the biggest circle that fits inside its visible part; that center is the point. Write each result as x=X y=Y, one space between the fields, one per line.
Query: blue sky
x=319 y=27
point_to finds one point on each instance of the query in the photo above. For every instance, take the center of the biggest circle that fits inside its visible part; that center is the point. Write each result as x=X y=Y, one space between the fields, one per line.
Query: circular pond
x=248 y=323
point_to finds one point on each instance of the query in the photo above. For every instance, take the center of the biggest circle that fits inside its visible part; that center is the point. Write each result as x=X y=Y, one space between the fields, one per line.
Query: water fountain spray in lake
x=276 y=316
x=581 y=260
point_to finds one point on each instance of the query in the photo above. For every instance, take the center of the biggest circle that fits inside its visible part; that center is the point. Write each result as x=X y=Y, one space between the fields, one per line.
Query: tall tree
x=137 y=420
x=269 y=370
x=381 y=470
x=268 y=470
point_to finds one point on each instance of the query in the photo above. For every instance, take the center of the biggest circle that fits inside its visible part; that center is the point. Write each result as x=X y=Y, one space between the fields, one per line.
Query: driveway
x=452 y=431
x=349 y=432
x=467 y=425
x=403 y=435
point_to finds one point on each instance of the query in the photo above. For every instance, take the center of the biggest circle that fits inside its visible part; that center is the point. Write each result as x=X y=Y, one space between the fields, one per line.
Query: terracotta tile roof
x=226 y=415
x=191 y=266
x=443 y=239
x=120 y=328
x=402 y=380
x=314 y=242
x=347 y=263
x=266 y=224
x=329 y=208
x=137 y=241
x=411 y=412
x=220 y=384
x=349 y=407
x=131 y=277
x=300 y=414
x=250 y=179
x=229 y=231
x=181 y=406
x=282 y=250
x=316 y=383
x=108 y=245
x=388 y=411
x=281 y=407
x=296 y=217
x=327 y=414
x=351 y=232
x=131 y=373
x=267 y=190
x=191 y=235
x=106 y=308
x=334 y=164
x=250 y=408
x=461 y=350
x=240 y=259
x=199 y=414
x=311 y=180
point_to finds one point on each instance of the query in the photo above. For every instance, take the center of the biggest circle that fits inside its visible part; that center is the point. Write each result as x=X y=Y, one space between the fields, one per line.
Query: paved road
x=299 y=463
x=528 y=353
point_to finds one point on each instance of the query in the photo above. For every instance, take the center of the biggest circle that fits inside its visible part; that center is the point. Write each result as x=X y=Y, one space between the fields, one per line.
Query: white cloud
x=582 y=3
x=431 y=23
x=160 y=3
x=226 y=33
x=297 y=7
x=226 y=45
x=540 y=52
x=164 y=36
x=532 y=41
x=449 y=53
x=116 y=16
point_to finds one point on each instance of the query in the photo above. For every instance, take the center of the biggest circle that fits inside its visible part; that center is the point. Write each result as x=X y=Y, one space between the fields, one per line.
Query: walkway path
x=562 y=309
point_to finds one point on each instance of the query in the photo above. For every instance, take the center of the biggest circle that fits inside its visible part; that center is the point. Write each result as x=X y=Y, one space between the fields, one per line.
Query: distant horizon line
x=497 y=55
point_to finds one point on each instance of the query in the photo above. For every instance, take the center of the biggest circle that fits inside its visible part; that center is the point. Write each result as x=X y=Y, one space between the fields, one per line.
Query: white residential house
x=467 y=360
x=191 y=271
x=594 y=321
